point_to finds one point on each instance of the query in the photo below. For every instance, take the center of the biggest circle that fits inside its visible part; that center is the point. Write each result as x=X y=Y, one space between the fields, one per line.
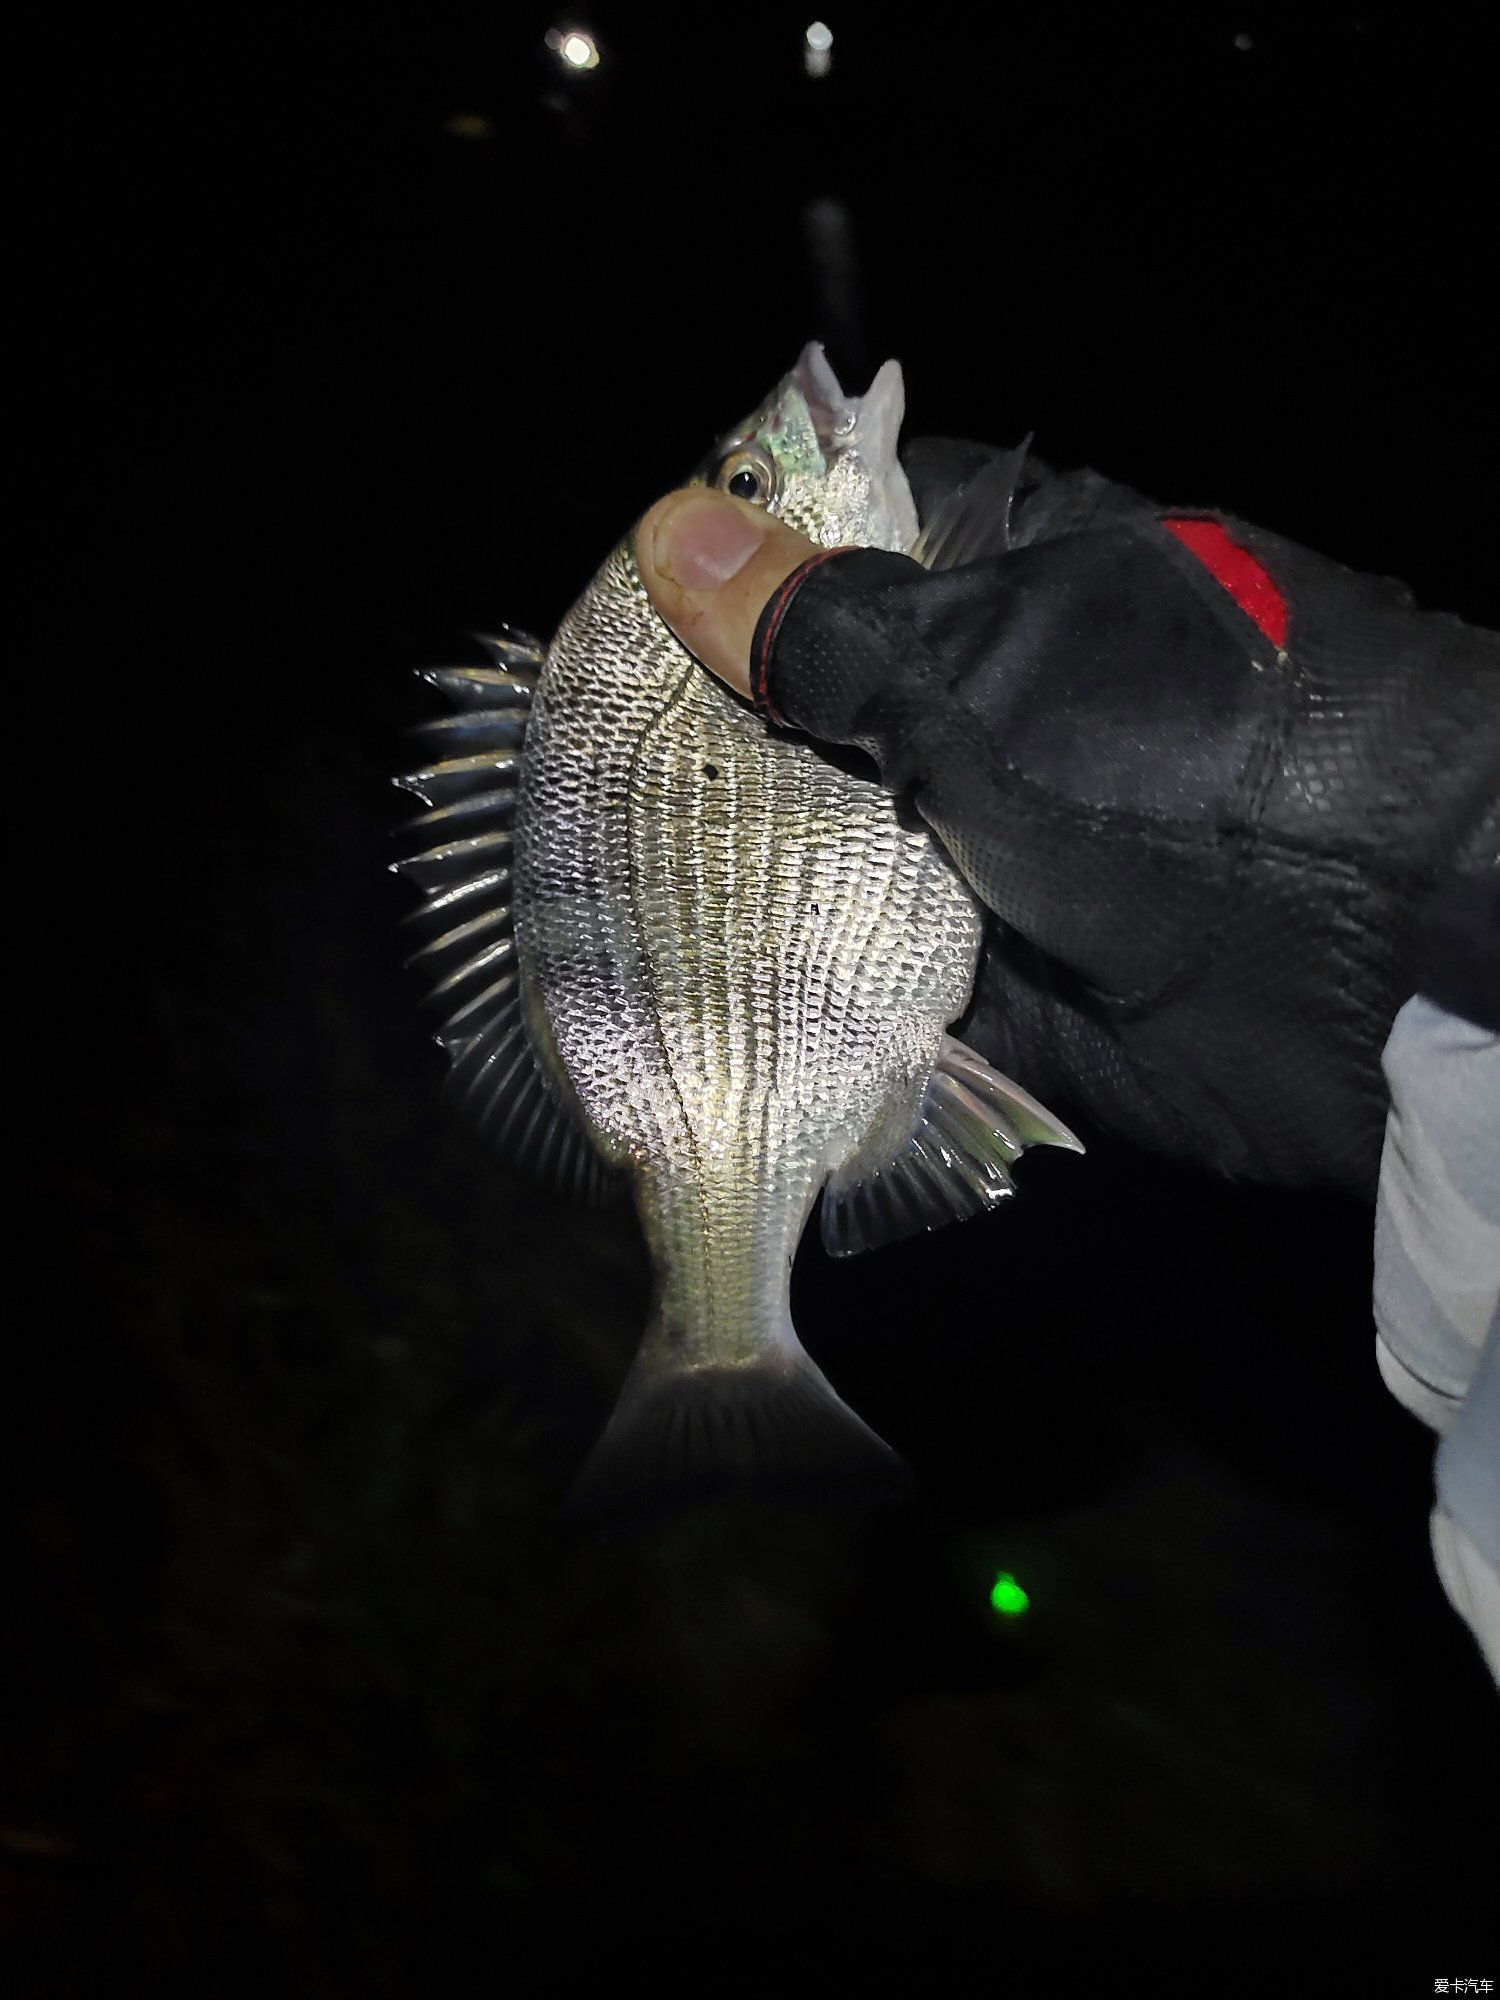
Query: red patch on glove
x=1248 y=582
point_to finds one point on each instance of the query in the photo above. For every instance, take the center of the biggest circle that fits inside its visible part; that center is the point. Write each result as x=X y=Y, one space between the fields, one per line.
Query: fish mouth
x=875 y=417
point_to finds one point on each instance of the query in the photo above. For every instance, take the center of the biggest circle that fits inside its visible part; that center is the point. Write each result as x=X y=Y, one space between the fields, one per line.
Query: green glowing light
x=1007 y=1596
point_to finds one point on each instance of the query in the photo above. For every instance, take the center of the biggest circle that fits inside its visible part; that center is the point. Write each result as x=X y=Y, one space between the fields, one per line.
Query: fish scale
x=737 y=962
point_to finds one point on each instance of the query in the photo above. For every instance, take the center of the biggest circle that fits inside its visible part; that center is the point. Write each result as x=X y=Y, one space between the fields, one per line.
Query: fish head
x=823 y=462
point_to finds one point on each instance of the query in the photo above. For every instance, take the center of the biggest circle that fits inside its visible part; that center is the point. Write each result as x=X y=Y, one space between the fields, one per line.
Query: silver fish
x=723 y=969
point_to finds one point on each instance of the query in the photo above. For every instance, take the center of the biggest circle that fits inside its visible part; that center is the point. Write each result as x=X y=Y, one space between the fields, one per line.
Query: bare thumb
x=710 y=564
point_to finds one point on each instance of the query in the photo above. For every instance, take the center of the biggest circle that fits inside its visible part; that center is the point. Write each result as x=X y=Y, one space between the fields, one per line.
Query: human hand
x=711 y=564
x=1205 y=781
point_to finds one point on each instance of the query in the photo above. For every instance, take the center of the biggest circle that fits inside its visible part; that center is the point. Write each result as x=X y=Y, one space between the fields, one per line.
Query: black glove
x=1206 y=782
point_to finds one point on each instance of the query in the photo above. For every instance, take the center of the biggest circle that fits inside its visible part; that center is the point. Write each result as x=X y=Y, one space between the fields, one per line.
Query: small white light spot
x=820 y=37
x=817 y=49
x=573 y=47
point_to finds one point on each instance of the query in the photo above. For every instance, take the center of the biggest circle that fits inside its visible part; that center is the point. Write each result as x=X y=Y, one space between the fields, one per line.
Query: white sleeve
x=1437 y=1286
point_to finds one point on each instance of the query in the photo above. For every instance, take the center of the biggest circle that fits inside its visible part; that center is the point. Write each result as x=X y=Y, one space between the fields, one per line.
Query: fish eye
x=749 y=474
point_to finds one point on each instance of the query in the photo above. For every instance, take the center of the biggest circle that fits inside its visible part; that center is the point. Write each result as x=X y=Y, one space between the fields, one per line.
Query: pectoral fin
x=973 y=523
x=973 y=1124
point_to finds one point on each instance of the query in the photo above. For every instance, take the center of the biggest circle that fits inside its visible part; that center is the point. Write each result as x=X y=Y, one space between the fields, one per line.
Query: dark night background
x=309 y=1690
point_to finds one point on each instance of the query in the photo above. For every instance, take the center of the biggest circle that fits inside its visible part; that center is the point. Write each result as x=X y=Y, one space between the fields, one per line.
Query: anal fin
x=973 y=1125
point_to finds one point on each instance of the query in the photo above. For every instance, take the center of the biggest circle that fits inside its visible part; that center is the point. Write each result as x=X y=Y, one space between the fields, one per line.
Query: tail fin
x=713 y=1432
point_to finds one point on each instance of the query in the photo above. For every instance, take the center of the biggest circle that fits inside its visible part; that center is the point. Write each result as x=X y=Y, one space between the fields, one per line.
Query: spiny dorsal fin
x=468 y=779
x=973 y=1124
x=973 y=522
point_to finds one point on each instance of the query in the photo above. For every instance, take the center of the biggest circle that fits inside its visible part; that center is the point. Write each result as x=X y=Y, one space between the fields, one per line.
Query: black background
x=309 y=1687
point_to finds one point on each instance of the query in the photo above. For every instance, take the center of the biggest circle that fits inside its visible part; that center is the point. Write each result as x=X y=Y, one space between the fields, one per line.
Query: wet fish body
x=723 y=969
